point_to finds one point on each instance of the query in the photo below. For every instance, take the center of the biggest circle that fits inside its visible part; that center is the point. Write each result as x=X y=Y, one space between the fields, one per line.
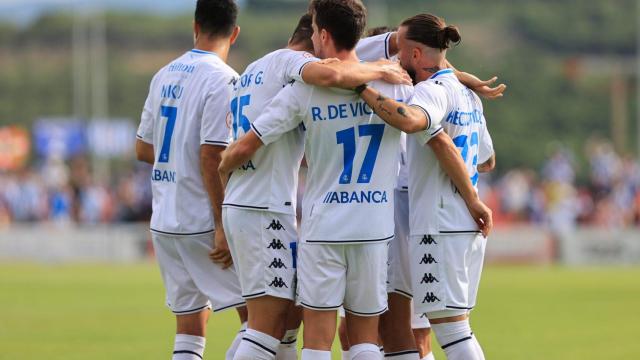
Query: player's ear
x=416 y=53
x=324 y=35
x=234 y=35
x=196 y=31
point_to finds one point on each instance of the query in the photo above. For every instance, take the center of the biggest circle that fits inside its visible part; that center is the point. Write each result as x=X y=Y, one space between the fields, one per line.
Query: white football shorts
x=263 y=245
x=353 y=276
x=446 y=271
x=399 y=280
x=192 y=281
x=419 y=321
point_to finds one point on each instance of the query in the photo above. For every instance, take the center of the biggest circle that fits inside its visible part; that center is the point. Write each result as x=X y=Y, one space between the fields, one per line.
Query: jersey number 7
x=171 y=113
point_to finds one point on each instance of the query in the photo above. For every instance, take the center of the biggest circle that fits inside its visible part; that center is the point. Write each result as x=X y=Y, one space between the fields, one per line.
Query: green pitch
x=117 y=312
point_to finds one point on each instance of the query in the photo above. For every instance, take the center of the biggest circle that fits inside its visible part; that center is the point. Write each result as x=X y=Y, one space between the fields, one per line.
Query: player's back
x=352 y=159
x=435 y=203
x=269 y=180
x=179 y=96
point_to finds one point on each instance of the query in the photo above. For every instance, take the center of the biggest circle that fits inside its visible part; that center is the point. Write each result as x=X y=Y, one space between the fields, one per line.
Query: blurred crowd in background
x=69 y=192
x=608 y=196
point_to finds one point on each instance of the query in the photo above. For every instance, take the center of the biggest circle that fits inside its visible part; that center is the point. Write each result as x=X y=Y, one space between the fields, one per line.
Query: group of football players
x=392 y=231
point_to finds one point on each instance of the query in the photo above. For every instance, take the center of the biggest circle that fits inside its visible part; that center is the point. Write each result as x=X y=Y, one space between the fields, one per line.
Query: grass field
x=116 y=312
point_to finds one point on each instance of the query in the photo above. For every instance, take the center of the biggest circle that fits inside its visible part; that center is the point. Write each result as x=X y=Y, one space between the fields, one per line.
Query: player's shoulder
x=432 y=87
x=215 y=65
x=216 y=72
x=301 y=89
x=396 y=91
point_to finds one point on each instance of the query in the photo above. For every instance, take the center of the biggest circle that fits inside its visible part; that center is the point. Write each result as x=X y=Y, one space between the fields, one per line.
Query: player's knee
x=320 y=329
x=192 y=324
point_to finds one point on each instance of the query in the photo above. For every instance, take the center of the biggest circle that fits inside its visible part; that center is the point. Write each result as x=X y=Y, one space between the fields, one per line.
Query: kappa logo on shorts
x=277 y=263
x=278 y=283
x=276 y=244
x=428 y=259
x=428 y=279
x=275 y=225
x=428 y=240
x=430 y=298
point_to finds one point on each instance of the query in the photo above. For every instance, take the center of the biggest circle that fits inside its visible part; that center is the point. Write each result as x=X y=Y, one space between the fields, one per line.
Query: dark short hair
x=379 y=30
x=432 y=31
x=216 y=17
x=345 y=20
x=302 y=33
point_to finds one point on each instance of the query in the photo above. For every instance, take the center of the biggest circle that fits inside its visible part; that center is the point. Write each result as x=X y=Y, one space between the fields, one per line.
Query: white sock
x=188 y=347
x=456 y=340
x=231 y=351
x=308 y=354
x=403 y=355
x=345 y=355
x=365 y=352
x=429 y=356
x=287 y=350
x=257 y=346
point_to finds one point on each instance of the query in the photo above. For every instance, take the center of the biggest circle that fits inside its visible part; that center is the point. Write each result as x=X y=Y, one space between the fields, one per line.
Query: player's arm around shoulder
x=409 y=119
x=348 y=75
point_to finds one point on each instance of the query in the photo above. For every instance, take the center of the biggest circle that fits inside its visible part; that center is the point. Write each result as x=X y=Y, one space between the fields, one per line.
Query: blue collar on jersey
x=441 y=72
x=198 y=51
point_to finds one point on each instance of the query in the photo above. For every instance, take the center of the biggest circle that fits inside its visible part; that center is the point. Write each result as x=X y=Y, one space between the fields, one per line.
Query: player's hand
x=485 y=90
x=220 y=253
x=482 y=87
x=482 y=216
x=393 y=73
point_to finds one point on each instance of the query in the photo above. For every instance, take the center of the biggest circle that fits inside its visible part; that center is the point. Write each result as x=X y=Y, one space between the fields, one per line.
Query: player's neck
x=299 y=47
x=220 y=46
x=426 y=72
x=343 y=55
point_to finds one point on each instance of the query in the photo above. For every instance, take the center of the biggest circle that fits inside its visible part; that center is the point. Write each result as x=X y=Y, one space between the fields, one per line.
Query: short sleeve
x=284 y=113
x=485 y=150
x=294 y=62
x=145 y=130
x=213 y=128
x=374 y=48
x=432 y=99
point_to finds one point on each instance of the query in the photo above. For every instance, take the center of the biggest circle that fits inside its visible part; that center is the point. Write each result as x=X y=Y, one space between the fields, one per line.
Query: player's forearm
x=451 y=162
x=209 y=162
x=341 y=74
x=394 y=113
x=232 y=158
x=144 y=152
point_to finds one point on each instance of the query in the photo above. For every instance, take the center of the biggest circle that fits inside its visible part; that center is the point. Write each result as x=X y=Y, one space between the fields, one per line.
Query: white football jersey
x=374 y=48
x=435 y=205
x=402 y=181
x=268 y=181
x=187 y=106
x=352 y=159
